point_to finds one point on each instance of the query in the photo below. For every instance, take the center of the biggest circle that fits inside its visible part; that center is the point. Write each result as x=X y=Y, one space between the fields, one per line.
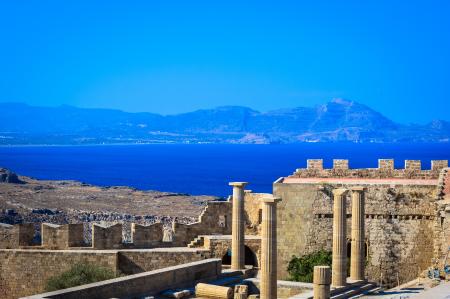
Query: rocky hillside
x=25 y=199
x=338 y=120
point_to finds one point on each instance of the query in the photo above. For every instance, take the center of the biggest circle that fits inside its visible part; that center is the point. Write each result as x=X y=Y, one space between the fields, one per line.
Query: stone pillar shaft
x=339 y=269
x=358 y=216
x=321 y=282
x=268 y=285
x=237 y=228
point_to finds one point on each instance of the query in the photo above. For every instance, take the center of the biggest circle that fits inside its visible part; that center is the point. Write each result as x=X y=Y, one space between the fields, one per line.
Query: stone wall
x=147 y=236
x=385 y=169
x=399 y=226
x=253 y=212
x=62 y=236
x=25 y=272
x=107 y=237
x=215 y=219
x=218 y=246
x=14 y=236
x=144 y=284
x=137 y=261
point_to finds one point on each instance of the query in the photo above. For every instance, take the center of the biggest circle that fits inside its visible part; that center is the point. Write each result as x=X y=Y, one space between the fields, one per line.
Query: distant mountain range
x=335 y=121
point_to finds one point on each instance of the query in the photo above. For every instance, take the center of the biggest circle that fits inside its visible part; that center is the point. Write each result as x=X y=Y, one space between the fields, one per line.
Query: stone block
x=314 y=164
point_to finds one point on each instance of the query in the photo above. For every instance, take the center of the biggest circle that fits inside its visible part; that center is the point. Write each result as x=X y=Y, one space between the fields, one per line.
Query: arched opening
x=250 y=257
x=349 y=250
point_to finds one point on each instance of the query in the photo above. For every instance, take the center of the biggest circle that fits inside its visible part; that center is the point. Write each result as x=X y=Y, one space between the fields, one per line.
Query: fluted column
x=357 y=253
x=237 y=228
x=268 y=285
x=339 y=269
x=321 y=282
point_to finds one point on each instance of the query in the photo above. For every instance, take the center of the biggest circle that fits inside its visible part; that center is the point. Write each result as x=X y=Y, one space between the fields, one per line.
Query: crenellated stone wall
x=412 y=169
x=215 y=219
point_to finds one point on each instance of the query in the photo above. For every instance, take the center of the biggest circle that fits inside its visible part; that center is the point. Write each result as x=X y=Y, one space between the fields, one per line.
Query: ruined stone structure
x=406 y=215
x=62 y=236
x=14 y=236
x=215 y=219
x=391 y=223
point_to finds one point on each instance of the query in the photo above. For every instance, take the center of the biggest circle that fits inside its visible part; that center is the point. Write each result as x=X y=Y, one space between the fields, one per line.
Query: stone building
x=406 y=215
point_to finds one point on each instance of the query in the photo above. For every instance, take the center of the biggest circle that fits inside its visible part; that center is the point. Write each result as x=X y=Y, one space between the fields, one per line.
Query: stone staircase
x=355 y=291
x=197 y=242
x=351 y=291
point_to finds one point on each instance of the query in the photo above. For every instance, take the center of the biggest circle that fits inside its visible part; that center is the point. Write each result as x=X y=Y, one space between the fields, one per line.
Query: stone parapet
x=385 y=169
x=107 y=237
x=62 y=236
x=147 y=236
x=15 y=236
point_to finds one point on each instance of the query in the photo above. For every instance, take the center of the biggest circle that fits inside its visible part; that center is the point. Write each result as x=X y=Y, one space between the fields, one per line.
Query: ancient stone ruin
x=390 y=224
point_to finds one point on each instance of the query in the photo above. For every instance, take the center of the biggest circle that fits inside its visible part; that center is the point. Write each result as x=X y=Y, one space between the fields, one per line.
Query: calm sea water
x=199 y=169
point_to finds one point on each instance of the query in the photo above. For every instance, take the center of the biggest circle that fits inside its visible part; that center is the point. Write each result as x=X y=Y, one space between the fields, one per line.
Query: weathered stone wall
x=107 y=237
x=218 y=246
x=143 y=236
x=399 y=226
x=215 y=219
x=25 y=272
x=137 y=261
x=61 y=236
x=253 y=212
x=54 y=236
x=14 y=236
x=144 y=284
x=442 y=223
x=385 y=169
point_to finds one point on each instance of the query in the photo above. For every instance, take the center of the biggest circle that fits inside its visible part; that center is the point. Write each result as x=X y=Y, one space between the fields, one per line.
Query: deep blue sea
x=199 y=169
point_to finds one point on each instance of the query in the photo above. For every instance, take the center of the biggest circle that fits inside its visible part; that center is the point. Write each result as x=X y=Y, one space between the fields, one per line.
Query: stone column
x=321 y=282
x=339 y=269
x=268 y=285
x=358 y=216
x=237 y=228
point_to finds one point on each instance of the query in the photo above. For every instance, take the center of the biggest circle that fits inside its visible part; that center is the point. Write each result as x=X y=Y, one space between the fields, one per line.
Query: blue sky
x=177 y=56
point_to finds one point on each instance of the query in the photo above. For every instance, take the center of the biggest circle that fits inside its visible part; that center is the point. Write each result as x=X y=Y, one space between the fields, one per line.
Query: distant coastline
x=336 y=121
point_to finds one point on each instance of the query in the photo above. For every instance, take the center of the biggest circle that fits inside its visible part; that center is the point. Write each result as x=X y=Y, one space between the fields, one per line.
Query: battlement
x=412 y=170
x=215 y=219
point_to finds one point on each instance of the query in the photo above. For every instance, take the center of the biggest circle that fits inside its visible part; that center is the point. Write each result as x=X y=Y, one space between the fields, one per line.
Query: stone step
x=367 y=292
x=353 y=291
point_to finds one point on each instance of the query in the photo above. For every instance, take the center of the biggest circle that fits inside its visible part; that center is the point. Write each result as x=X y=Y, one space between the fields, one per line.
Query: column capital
x=358 y=189
x=340 y=191
x=238 y=184
x=270 y=199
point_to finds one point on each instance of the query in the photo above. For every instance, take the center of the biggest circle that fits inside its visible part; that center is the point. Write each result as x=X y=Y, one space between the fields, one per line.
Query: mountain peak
x=342 y=101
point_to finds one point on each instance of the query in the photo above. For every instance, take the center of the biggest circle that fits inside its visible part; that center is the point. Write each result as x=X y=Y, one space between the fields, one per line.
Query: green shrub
x=79 y=274
x=302 y=268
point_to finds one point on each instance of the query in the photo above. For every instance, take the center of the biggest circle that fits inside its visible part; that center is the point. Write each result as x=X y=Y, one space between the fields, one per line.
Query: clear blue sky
x=177 y=56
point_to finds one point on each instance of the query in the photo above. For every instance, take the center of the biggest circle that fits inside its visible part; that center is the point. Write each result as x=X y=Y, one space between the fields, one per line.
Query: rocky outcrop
x=7 y=176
